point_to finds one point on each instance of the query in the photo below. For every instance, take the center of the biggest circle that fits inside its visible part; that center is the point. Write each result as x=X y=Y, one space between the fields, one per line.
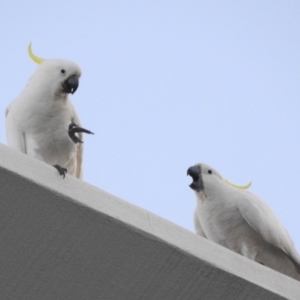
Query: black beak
x=195 y=173
x=71 y=84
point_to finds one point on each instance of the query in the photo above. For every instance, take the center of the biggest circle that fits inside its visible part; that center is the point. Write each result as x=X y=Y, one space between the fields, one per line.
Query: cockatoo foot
x=62 y=171
x=74 y=128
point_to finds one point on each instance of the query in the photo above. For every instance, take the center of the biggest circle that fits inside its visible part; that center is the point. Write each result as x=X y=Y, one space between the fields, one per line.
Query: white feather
x=197 y=225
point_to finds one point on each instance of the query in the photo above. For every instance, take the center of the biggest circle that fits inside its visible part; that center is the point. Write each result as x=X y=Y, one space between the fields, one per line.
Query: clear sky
x=167 y=84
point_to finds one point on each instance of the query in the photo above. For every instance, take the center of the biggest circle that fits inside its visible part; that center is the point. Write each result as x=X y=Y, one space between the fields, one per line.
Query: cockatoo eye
x=62 y=71
x=209 y=171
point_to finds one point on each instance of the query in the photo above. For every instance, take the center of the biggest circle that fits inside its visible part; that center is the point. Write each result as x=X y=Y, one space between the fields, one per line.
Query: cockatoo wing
x=79 y=154
x=264 y=221
x=197 y=225
x=15 y=137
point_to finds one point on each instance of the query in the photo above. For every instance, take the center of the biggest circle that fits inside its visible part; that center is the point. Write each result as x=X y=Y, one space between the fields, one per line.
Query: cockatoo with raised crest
x=42 y=121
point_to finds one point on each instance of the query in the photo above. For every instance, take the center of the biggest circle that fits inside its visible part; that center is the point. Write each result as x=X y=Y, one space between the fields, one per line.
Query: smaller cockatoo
x=240 y=221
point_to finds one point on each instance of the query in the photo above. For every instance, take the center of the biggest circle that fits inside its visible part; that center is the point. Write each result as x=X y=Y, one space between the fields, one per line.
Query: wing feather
x=15 y=138
x=263 y=220
x=79 y=154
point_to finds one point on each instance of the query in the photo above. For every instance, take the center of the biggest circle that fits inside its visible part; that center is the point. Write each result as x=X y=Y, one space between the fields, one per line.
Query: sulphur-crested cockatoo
x=239 y=220
x=42 y=121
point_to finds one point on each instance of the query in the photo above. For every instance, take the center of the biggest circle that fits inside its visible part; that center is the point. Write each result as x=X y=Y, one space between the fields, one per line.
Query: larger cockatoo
x=242 y=222
x=42 y=121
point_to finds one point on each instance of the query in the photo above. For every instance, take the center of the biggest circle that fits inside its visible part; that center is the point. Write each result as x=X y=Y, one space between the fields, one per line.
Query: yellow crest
x=243 y=187
x=35 y=58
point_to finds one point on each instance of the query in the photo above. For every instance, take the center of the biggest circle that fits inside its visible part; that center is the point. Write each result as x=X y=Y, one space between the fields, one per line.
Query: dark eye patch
x=209 y=171
x=63 y=71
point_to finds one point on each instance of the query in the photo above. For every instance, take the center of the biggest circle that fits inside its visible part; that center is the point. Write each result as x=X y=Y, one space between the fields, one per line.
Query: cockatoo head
x=57 y=75
x=205 y=177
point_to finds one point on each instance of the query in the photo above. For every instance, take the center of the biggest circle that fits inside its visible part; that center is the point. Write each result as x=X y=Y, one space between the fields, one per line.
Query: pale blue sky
x=167 y=84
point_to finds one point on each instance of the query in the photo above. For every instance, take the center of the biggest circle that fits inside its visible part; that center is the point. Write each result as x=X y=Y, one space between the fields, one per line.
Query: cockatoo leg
x=74 y=128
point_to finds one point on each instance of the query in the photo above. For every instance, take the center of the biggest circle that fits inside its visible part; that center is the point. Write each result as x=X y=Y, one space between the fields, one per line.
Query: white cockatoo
x=240 y=221
x=42 y=120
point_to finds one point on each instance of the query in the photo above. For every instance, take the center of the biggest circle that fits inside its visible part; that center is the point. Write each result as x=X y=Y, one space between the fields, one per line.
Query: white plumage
x=241 y=221
x=37 y=121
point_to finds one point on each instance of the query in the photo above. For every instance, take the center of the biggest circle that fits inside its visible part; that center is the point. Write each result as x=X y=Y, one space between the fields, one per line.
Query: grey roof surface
x=65 y=239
